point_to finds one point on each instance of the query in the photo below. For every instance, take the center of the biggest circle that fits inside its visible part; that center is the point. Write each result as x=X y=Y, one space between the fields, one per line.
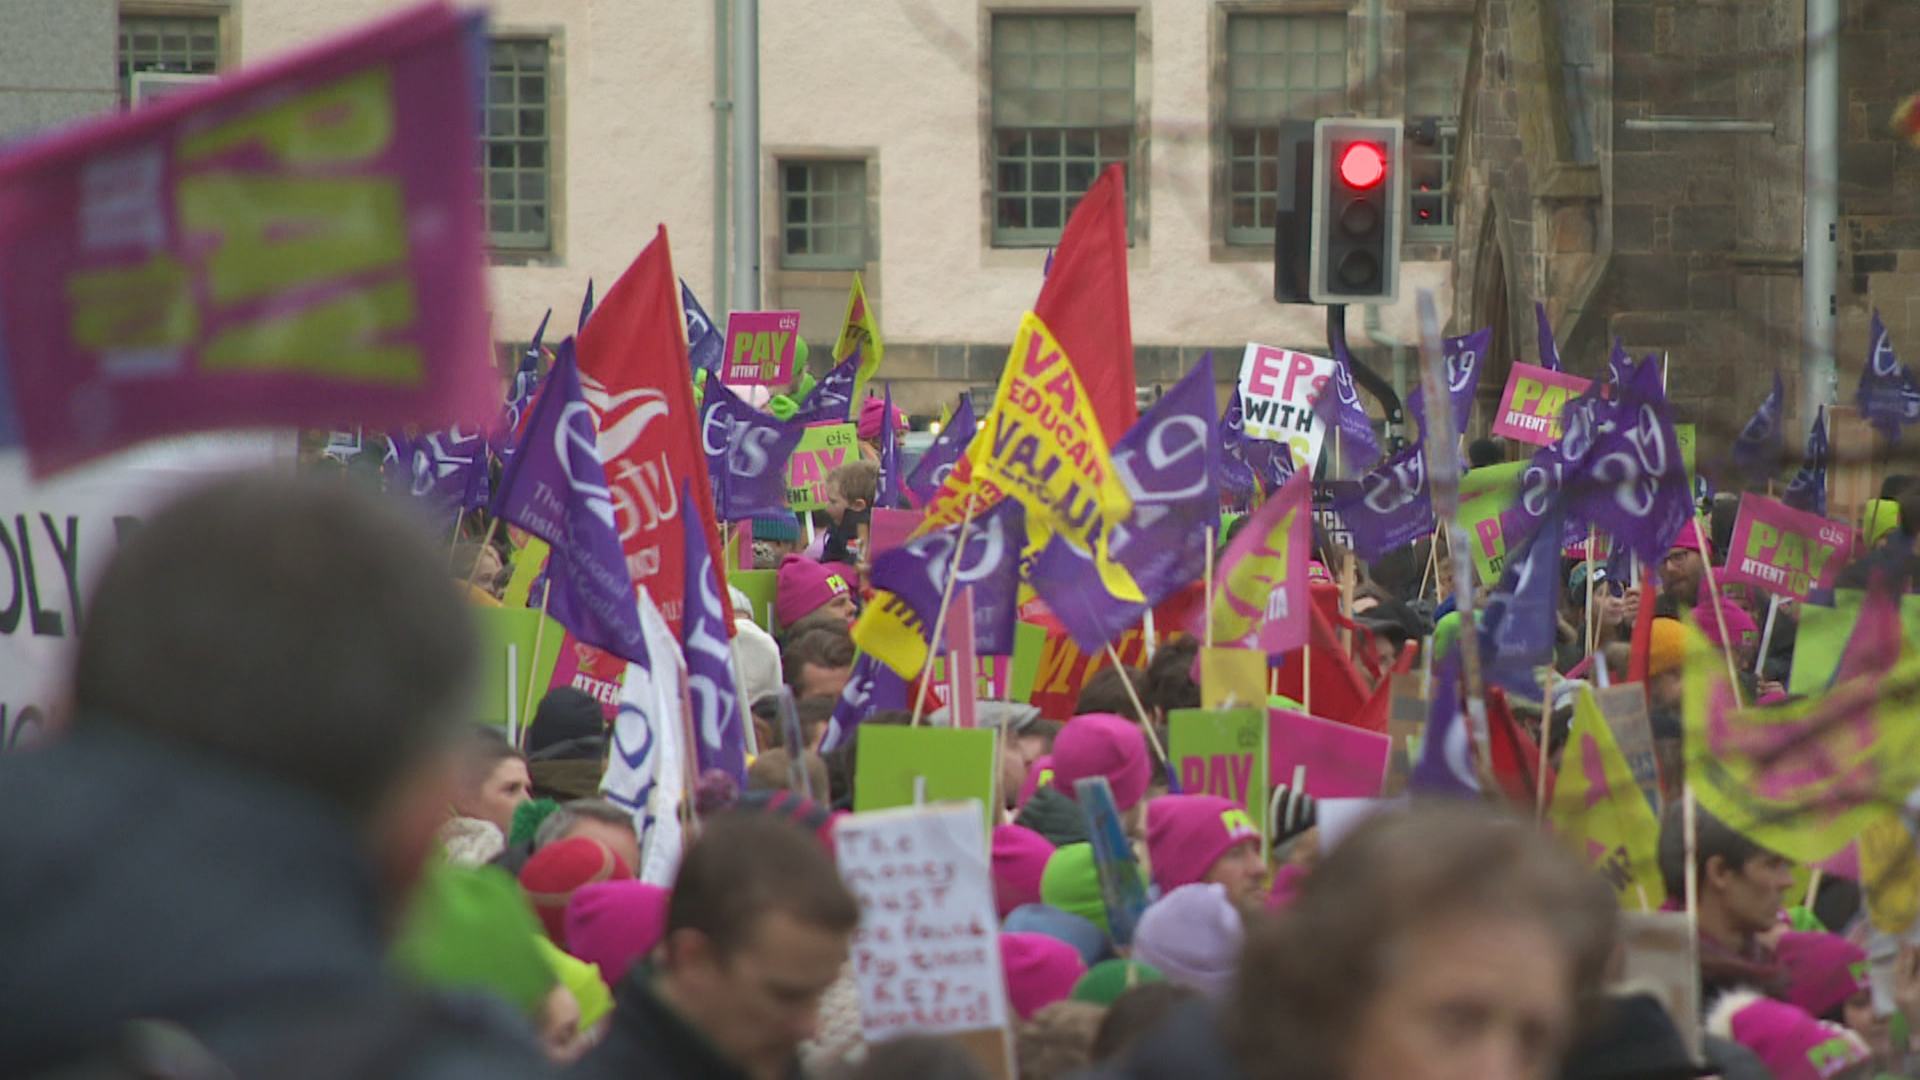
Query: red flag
x=1516 y=756
x=1084 y=301
x=1339 y=690
x=634 y=373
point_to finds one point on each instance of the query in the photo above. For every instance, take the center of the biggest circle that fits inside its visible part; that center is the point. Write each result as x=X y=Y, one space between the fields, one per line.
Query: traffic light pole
x=1365 y=376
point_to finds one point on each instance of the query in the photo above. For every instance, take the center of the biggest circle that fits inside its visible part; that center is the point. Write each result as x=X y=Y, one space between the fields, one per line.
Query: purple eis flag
x=1549 y=352
x=445 y=469
x=873 y=686
x=1237 y=481
x=1634 y=487
x=1390 y=507
x=1756 y=450
x=831 y=400
x=706 y=344
x=1466 y=358
x=1270 y=461
x=526 y=380
x=747 y=453
x=720 y=741
x=1888 y=396
x=1808 y=490
x=1619 y=364
x=1517 y=630
x=989 y=560
x=944 y=454
x=1168 y=461
x=556 y=489
x=891 y=487
x=1446 y=765
x=1357 y=448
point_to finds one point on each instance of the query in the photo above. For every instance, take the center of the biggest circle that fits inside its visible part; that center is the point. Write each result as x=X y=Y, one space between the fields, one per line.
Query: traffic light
x=1359 y=190
x=1293 y=213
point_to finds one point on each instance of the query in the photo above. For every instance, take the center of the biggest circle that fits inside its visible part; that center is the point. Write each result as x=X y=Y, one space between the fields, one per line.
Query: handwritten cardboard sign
x=1531 y=405
x=1277 y=390
x=1784 y=550
x=1341 y=761
x=1222 y=752
x=761 y=346
x=823 y=448
x=926 y=954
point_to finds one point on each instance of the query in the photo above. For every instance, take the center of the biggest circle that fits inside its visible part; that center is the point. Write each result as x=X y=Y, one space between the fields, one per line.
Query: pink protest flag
x=298 y=244
x=1341 y=761
x=963 y=661
x=1260 y=592
x=1531 y=404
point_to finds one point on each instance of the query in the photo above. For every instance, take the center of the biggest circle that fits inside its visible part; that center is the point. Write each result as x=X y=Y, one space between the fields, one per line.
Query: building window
x=1437 y=48
x=179 y=44
x=1062 y=112
x=823 y=215
x=519 y=163
x=1279 y=67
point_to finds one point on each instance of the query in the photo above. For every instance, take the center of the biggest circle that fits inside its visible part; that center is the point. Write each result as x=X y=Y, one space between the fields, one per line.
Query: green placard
x=1823 y=632
x=1029 y=641
x=955 y=763
x=1484 y=494
x=1222 y=752
x=822 y=449
x=499 y=628
x=759 y=587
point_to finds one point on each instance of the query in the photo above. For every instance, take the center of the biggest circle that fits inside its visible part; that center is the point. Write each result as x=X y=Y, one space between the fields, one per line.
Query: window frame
x=1241 y=238
x=1446 y=148
x=518 y=244
x=850 y=165
x=1055 y=154
x=218 y=12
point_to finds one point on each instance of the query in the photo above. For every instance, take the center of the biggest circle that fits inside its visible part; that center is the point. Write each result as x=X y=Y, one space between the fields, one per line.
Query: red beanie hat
x=1102 y=744
x=556 y=871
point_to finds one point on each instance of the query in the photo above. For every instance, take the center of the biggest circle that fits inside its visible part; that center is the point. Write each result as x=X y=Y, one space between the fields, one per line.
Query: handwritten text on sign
x=824 y=448
x=1277 y=390
x=925 y=956
x=1785 y=550
x=761 y=346
x=1530 y=406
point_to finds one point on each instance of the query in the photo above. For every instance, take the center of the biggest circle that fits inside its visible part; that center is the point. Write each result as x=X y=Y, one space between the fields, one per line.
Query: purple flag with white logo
x=1635 y=487
x=1888 y=396
x=1168 y=461
x=705 y=342
x=1756 y=450
x=891 y=489
x=831 y=400
x=720 y=742
x=747 y=453
x=526 y=381
x=1517 y=630
x=873 y=687
x=1446 y=765
x=947 y=449
x=1351 y=436
x=1549 y=352
x=916 y=574
x=556 y=489
x=1390 y=507
x=1271 y=462
x=1808 y=491
x=445 y=470
x=1466 y=358
x=1237 y=482
x=1619 y=364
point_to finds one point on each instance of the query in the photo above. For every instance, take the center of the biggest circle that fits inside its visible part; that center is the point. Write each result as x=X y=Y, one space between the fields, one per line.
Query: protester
x=232 y=821
x=757 y=930
x=756 y=655
x=596 y=819
x=773 y=771
x=774 y=538
x=922 y=1057
x=804 y=587
x=1040 y=970
x=851 y=489
x=1681 y=573
x=1741 y=887
x=1792 y=1045
x=1090 y=745
x=556 y=871
x=1020 y=858
x=818 y=663
x=1133 y=1013
x=566 y=745
x=494 y=779
x=1205 y=838
x=1192 y=936
x=1106 y=693
x=1058 y=1041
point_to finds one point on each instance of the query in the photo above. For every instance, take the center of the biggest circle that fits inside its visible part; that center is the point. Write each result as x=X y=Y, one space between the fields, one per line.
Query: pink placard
x=1531 y=405
x=888 y=529
x=296 y=245
x=963 y=660
x=1784 y=550
x=760 y=348
x=1342 y=761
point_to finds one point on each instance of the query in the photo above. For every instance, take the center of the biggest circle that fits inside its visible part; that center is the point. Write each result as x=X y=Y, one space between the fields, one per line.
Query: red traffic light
x=1362 y=165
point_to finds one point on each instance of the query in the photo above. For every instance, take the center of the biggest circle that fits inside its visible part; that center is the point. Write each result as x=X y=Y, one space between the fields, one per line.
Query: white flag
x=646 y=773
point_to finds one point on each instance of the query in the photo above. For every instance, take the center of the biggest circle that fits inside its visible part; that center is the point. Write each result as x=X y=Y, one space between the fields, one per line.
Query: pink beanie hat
x=1102 y=744
x=804 y=587
x=1740 y=625
x=1040 y=970
x=615 y=923
x=1823 y=970
x=1019 y=861
x=1040 y=772
x=1791 y=1044
x=1187 y=833
x=871 y=410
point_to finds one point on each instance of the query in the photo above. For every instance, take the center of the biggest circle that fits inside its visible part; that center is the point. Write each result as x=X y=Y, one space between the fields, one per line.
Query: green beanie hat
x=472 y=929
x=527 y=818
x=1108 y=979
x=1071 y=882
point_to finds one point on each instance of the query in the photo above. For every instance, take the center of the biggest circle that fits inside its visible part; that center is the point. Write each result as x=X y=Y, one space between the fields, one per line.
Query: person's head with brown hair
x=1058 y=1041
x=758 y=927
x=1106 y=692
x=772 y=771
x=493 y=779
x=1170 y=683
x=1441 y=941
x=852 y=487
x=818 y=663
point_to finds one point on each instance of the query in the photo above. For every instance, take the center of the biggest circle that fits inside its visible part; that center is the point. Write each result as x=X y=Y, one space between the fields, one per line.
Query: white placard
x=927 y=953
x=1277 y=390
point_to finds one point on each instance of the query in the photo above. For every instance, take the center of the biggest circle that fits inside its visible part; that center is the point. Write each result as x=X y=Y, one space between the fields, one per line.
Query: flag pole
x=453 y=548
x=1719 y=616
x=1546 y=741
x=1139 y=709
x=539 y=633
x=1766 y=635
x=1590 y=619
x=940 y=617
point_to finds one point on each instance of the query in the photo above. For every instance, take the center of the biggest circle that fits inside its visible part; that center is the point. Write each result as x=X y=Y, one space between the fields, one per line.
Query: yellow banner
x=860 y=330
x=1599 y=809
